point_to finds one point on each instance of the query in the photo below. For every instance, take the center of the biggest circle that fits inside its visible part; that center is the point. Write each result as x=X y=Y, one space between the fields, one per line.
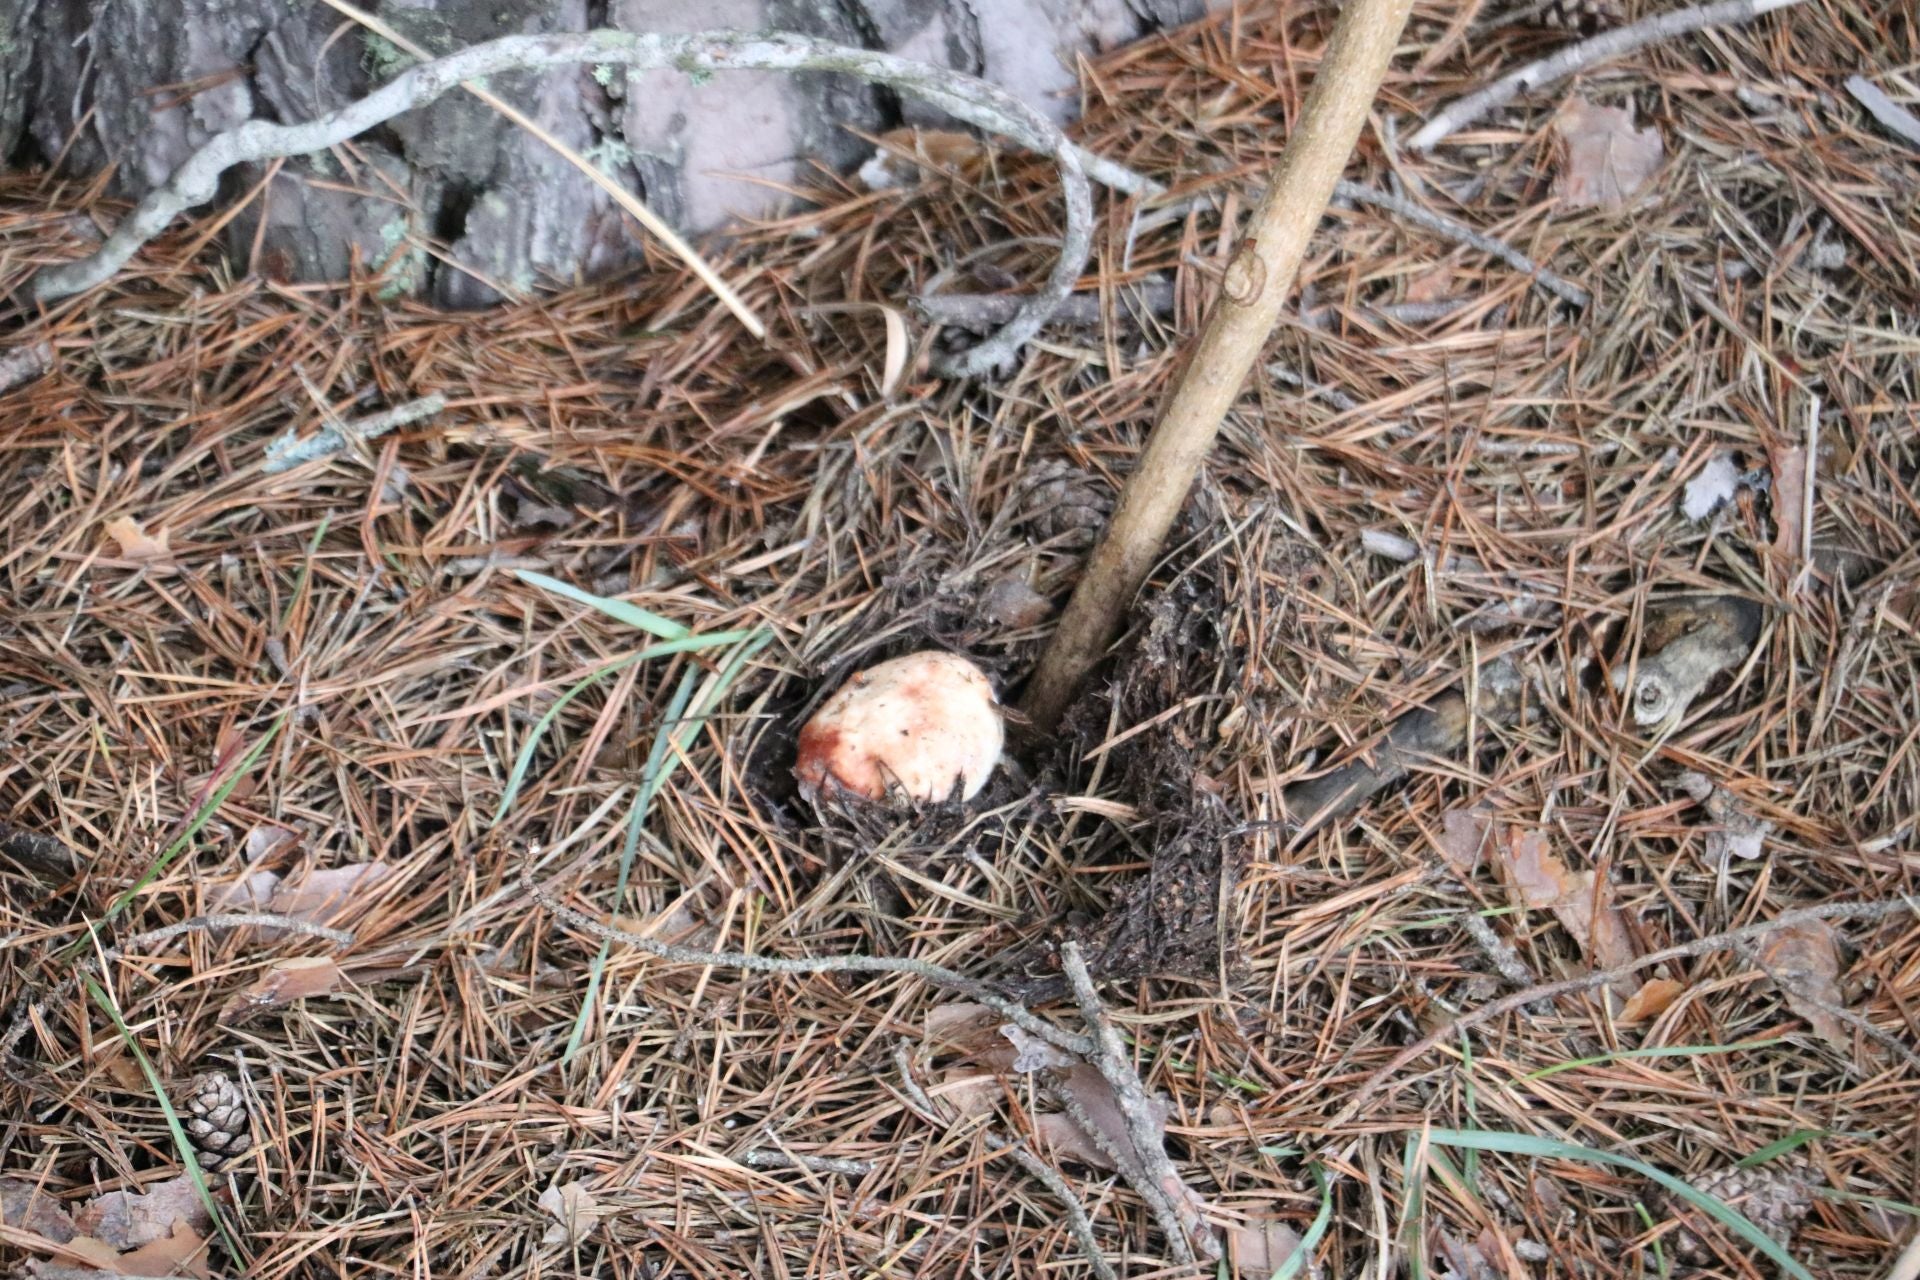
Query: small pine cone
x=1582 y=17
x=216 y=1119
x=1773 y=1197
x=1065 y=502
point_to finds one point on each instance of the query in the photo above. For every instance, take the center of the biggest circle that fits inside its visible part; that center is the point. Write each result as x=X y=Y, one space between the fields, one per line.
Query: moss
x=609 y=154
x=384 y=59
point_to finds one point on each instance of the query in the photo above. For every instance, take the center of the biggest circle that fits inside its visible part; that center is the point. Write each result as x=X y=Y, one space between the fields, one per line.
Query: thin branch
x=1440 y=224
x=1078 y=1221
x=642 y=214
x=1161 y=1186
x=1578 y=57
x=1253 y=290
x=27 y=1007
x=1587 y=982
x=675 y=954
x=289 y=451
x=841 y=1165
x=975 y=101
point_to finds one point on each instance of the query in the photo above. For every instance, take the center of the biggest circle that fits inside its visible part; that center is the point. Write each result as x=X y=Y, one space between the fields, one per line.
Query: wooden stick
x=1254 y=288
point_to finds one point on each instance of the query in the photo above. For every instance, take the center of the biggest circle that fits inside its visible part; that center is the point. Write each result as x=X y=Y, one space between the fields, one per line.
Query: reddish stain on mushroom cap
x=917 y=724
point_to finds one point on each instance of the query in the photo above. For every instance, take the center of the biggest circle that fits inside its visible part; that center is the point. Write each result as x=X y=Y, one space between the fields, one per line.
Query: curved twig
x=975 y=101
x=1577 y=57
x=973 y=990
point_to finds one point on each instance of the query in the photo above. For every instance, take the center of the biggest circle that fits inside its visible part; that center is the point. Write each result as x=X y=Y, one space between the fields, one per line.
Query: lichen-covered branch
x=1578 y=57
x=975 y=101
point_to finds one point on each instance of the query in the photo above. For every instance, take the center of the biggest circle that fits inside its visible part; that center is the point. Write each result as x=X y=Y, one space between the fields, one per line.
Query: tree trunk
x=139 y=84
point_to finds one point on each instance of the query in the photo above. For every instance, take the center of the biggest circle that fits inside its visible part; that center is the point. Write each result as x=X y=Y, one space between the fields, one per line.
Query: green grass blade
x=1309 y=1242
x=657 y=764
x=619 y=610
x=300 y=580
x=201 y=816
x=1792 y=1142
x=1662 y=1051
x=676 y=730
x=188 y=1158
x=524 y=759
x=1526 y=1144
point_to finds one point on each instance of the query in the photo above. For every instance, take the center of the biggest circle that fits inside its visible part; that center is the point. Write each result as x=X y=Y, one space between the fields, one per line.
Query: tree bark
x=138 y=85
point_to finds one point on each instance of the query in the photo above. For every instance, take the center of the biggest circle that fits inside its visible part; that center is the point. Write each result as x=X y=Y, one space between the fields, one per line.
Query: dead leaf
x=295 y=978
x=181 y=1253
x=1261 y=1246
x=264 y=842
x=1544 y=881
x=127 y=1220
x=1651 y=1000
x=576 y=1213
x=1094 y=1097
x=1789 y=501
x=1604 y=158
x=1431 y=286
x=26 y=1206
x=970 y=1092
x=1805 y=961
x=136 y=543
x=1463 y=839
x=331 y=895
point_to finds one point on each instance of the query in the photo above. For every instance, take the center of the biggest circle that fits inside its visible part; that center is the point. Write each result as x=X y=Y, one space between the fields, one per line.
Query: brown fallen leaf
x=128 y=1220
x=1651 y=1000
x=294 y=978
x=576 y=1213
x=1261 y=1245
x=1545 y=882
x=1604 y=158
x=1789 y=492
x=330 y=895
x=135 y=543
x=935 y=148
x=26 y=1206
x=182 y=1253
x=1094 y=1097
x=1466 y=1259
x=1805 y=961
x=1431 y=286
x=1463 y=839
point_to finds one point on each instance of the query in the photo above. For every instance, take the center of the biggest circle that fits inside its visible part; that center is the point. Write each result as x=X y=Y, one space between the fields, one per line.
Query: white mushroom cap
x=918 y=724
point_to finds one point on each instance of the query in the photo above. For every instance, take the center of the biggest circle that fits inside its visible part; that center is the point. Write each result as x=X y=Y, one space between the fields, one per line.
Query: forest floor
x=331 y=692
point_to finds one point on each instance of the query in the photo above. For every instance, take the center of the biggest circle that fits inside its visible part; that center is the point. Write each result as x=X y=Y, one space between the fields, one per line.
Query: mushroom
x=918 y=727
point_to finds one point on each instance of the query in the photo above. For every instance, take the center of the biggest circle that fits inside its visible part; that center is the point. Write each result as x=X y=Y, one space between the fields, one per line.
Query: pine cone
x=1065 y=502
x=216 y=1119
x=1582 y=17
x=1773 y=1197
